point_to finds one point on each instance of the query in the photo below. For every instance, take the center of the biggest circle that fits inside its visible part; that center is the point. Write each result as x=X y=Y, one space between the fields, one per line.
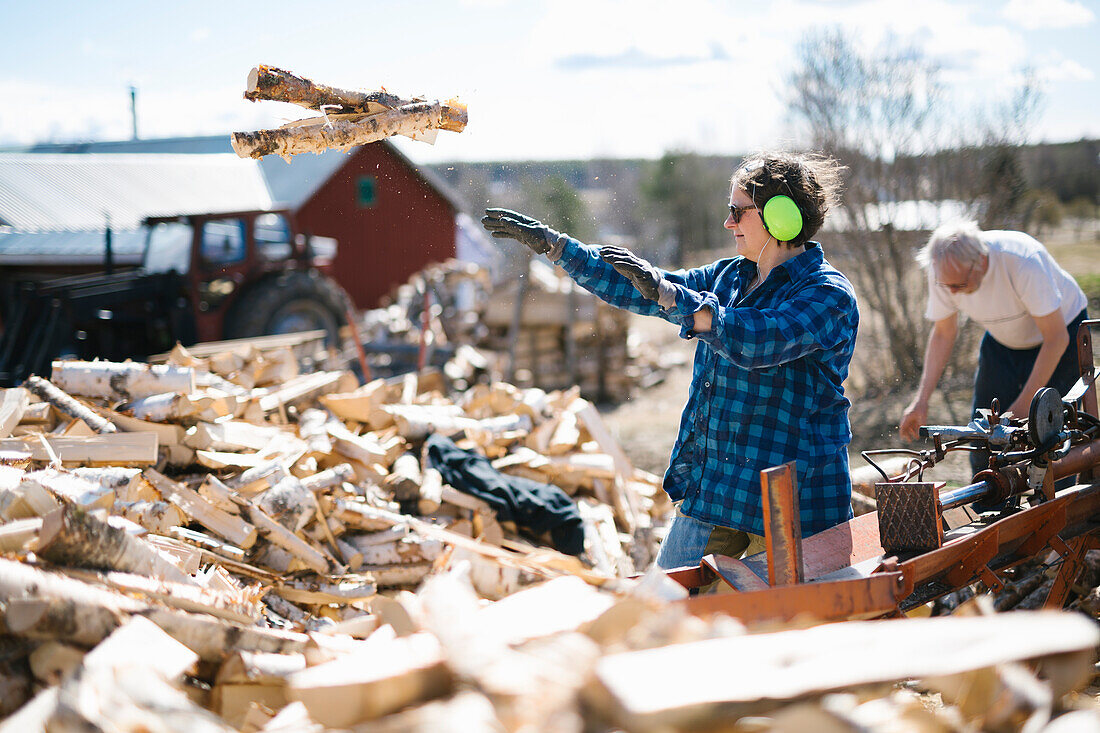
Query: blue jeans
x=690 y=540
x=1003 y=372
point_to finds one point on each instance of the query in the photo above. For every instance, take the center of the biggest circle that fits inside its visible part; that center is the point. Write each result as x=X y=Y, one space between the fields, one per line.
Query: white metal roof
x=291 y=184
x=81 y=247
x=57 y=191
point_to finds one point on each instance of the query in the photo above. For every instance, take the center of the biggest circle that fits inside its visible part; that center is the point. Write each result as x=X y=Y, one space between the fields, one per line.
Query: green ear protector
x=782 y=218
x=781 y=215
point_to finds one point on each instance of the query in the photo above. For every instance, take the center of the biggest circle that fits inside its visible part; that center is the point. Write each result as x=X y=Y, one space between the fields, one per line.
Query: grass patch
x=1090 y=283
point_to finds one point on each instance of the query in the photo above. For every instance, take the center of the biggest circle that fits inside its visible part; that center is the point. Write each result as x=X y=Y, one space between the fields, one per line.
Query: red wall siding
x=409 y=226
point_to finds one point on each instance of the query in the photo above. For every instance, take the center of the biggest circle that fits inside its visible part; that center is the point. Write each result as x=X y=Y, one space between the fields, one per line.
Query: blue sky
x=543 y=78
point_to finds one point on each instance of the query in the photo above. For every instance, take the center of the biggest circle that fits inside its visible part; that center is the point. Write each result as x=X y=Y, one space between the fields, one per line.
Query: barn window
x=365 y=192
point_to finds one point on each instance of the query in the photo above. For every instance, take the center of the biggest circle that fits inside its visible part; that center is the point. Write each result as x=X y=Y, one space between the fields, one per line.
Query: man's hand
x=1019 y=409
x=504 y=223
x=915 y=415
x=640 y=273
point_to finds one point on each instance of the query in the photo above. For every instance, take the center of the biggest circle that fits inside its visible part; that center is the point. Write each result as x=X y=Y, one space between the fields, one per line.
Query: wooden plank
x=276 y=533
x=230 y=435
x=635 y=691
x=558 y=605
x=309 y=385
x=108 y=449
x=15 y=534
x=233 y=701
x=451 y=495
x=387 y=675
x=782 y=524
x=623 y=499
x=361 y=404
x=244 y=345
x=231 y=527
x=141 y=643
x=220 y=459
x=37 y=413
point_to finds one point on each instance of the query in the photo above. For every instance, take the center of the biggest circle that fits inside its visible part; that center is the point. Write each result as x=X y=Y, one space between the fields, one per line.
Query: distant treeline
x=1068 y=170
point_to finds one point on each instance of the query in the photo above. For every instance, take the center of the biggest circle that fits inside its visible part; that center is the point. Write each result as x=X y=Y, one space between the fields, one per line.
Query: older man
x=1029 y=306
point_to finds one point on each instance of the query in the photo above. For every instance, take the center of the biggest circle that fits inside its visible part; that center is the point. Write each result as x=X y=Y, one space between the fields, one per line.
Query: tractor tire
x=298 y=300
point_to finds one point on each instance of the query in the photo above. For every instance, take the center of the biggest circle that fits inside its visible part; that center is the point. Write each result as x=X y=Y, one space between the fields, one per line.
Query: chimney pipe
x=133 y=112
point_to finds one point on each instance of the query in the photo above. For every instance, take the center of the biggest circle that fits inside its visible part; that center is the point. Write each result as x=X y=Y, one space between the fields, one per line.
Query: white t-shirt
x=1023 y=283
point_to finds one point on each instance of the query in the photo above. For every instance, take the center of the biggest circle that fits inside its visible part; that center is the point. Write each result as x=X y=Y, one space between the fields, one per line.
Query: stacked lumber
x=566 y=336
x=449 y=331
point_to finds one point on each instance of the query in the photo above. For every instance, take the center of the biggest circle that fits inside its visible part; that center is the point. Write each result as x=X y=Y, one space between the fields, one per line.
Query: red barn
x=390 y=216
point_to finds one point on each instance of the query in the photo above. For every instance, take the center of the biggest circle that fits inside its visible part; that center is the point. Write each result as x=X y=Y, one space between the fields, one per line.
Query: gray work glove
x=644 y=276
x=504 y=223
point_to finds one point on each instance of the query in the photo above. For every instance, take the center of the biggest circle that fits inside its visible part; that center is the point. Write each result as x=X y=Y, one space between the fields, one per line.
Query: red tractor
x=203 y=277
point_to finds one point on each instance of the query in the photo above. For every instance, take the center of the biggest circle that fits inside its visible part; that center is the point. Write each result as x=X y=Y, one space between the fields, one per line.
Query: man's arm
x=1055 y=341
x=940 y=343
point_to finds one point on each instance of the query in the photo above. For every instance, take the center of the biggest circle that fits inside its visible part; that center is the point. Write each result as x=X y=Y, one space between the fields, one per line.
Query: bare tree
x=872 y=110
x=882 y=113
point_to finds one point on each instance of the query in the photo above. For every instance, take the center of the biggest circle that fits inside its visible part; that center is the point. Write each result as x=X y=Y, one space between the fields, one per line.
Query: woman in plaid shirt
x=775 y=325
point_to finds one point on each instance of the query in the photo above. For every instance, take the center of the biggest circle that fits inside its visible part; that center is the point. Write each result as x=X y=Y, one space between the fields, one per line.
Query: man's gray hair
x=960 y=241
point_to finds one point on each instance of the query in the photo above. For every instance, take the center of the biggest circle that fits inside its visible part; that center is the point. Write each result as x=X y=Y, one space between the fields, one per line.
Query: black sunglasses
x=736 y=212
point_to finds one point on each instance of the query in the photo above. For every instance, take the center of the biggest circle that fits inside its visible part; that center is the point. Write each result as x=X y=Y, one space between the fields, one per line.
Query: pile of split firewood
x=226 y=544
x=561 y=337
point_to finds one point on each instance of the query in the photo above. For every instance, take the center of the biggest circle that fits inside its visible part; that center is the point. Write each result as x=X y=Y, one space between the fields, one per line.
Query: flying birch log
x=351 y=117
x=278 y=85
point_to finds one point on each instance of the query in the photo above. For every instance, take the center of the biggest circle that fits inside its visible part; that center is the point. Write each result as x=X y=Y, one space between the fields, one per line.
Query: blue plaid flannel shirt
x=766 y=387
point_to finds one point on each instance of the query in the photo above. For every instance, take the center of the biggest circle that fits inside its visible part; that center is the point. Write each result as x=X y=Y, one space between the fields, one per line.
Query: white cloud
x=1062 y=69
x=98 y=113
x=1033 y=14
x=566 y=78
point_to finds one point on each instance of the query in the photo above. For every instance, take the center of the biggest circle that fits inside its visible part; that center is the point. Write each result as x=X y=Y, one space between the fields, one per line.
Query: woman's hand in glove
x=645 y=277
x=504 y=223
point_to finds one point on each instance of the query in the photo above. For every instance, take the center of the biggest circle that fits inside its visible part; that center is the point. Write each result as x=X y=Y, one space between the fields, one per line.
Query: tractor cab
x=204 y=277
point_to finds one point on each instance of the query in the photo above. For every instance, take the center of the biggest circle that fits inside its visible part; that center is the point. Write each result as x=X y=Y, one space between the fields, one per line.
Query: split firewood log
x=49 y=606
x=115 y=449
x=121 y=382
x=351 y=118
x=13 y=404
x=195 y=506
x=405 y=478
x=381 y=678
x=48 y=392
x=74 y=538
